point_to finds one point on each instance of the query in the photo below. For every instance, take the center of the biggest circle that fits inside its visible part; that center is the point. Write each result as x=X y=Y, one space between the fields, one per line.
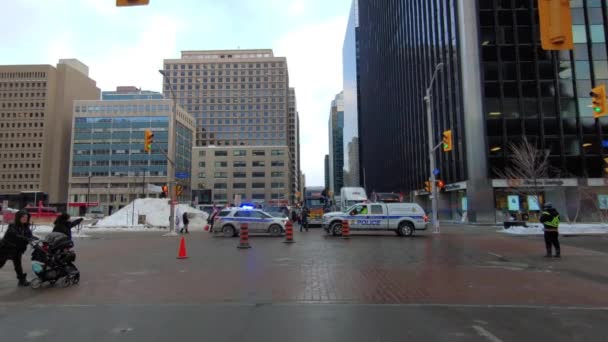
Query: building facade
x=336 y=146
x=497 y=87
x=326 y=162
x=254 y=174
x=109 y=167
x=35 y=127
x=294 y=145
x=350 y=65
x=238 y=98
x=131 y=93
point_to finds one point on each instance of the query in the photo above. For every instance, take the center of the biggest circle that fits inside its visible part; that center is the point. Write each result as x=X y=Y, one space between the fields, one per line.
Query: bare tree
x=528 y=165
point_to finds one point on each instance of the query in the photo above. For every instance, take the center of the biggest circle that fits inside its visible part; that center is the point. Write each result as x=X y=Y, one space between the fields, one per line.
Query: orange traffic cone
x=181 y=253
x=345 y=229
x=289 y=232
x=244 y=234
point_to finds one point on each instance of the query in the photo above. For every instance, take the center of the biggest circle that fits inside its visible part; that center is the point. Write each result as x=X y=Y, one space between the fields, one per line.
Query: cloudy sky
x=126 y=46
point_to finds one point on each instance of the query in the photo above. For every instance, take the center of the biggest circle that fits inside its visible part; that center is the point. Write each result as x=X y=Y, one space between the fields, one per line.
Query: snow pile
x=564 y=229
x=157 y=215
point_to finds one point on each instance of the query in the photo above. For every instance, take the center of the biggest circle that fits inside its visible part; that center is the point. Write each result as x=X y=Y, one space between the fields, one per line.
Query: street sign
x=605 y=143
x=182 y=175
x=436 y=172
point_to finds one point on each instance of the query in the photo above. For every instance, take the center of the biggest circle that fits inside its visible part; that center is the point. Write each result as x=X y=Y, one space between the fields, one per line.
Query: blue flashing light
x=247 y=206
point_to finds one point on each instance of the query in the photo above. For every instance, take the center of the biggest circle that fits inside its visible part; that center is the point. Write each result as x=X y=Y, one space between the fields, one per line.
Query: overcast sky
x=126 y=46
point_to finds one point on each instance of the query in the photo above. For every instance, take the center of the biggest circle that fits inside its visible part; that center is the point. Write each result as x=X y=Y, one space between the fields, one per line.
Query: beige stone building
x=256 y=173
x=238 y=98
x=35 y=127
x=108 y=165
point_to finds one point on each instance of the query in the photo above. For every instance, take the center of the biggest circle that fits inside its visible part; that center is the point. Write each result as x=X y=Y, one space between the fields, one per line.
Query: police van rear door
x=377 y=218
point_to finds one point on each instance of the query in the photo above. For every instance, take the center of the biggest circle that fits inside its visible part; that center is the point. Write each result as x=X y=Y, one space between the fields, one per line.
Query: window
x=376 y=210
x=221 y=175
x=239 y=174
x=221 y=164
x=201 y=164
x=239 y=163
x=278 y=174
x=201 y=175
x=258 y=185
x=259 y=153
x=258 y=196
x=202 y=153
x=277 y=163
x=243 y=213
x=258 y=174
x=220 y=186
x=259 y=163
x=221 y=197
x=278 y=152
x=239 y=153
x=277 y=185
x=239 y=185
x=221 y=153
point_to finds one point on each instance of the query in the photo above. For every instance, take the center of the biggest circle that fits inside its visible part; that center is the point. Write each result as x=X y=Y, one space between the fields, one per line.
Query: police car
x=402 y=218
x=228 y=222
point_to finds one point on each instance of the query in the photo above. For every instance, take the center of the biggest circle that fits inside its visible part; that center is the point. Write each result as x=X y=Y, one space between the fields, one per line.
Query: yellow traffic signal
x=447 y=140
x=598 y=101
x=178 y=190
x=555 y=24
x=131 y=2
x=427 y=186
x=148 y=140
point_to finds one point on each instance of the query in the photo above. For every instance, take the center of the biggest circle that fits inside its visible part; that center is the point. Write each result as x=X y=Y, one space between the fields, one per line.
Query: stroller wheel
x=75 y=279
x=64 y=282
x=36 y=283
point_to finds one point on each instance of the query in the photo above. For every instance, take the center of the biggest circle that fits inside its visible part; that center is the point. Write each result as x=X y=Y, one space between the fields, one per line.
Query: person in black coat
x=185 y=221
x=63 y=225
x=14 y=244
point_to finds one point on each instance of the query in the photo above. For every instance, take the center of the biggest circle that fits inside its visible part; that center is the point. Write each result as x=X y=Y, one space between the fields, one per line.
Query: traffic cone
x=181 y=253
x=289 y=232
x=244 y=234
x=345 y=229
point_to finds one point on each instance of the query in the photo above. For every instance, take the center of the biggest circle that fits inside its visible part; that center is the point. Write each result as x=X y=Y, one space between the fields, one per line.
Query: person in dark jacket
x=63 y=225
x=304 y=219
x=14 y=244
x=550 y=220
x=185 y=221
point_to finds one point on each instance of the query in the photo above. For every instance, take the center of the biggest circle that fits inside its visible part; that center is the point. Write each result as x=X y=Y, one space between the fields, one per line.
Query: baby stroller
x=53 y=261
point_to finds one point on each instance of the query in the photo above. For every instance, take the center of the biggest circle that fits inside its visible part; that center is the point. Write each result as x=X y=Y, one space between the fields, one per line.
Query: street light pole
x=88 y=194
x=173 y=154
x=432 y=148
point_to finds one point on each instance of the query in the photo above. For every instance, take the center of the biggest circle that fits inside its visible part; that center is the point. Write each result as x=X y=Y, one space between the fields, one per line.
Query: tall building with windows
x=326 y=162
x=238 y=98
x=294 y=145
x=336 y=146
x=109 y=167
x=131 y=93
x=497 y=87
x=35 y=126
x=350 y=65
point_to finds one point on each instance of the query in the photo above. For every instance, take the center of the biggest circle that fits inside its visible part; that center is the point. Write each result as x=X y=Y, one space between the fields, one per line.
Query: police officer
x=550 y=220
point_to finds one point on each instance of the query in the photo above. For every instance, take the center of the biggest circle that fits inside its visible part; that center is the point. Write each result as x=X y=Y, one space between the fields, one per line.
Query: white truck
x=402 y=218
x=350 y=196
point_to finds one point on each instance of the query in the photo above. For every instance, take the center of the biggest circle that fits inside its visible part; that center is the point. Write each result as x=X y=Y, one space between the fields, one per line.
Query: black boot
x=548 y=255
x=557 y=254
x=23 y=281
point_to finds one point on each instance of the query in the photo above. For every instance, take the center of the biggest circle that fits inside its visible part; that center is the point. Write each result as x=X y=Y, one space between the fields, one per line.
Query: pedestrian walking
x=550 y=221
x=63 y=225
x=185 y=222
x=304 y=219
x=14 y=244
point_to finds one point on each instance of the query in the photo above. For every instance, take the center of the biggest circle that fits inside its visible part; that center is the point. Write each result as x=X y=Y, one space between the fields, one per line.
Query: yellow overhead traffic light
x=555 y=24
x=447 y=140
x=148 y=140
x=598 y=101
x=131 y=2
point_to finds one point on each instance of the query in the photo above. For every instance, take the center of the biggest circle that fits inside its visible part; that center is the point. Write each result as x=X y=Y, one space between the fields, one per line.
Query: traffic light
x=178 y=190
x=165 y=192
x=440 y=184
x=555 y=24
x=148 y=140
x=427 y=186
x=598 y=101
x=121 y=3
x=606 y=166
x=447 y=140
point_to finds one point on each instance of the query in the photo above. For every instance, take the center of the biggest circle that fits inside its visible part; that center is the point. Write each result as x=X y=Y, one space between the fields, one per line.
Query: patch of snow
x=564 y=229
x=157 y=215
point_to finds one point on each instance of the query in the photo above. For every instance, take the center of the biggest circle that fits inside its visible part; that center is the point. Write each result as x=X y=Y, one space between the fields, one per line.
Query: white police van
x=402 y=218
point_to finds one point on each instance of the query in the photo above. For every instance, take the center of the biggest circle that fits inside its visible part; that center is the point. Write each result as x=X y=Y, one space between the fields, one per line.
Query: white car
x=228 y=222
x=402 y=218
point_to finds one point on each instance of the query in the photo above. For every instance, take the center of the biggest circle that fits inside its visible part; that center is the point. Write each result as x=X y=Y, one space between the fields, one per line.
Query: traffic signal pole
x=432 y=148
x=173 y=153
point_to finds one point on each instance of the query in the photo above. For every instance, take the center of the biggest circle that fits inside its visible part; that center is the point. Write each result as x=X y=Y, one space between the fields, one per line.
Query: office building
x=497 y=86
x=131 y=93
x=350 y=65
x=246 y=174
x=238 y=98
x=336 y=146
x=326 y=163
x=109 y=167
x=35 y=127
x=294 y=145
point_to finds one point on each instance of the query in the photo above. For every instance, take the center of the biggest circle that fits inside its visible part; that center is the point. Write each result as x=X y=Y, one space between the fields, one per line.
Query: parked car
x=228 y=222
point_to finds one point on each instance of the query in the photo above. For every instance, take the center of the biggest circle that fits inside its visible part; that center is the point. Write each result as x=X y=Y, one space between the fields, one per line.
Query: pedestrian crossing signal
x=598 y=101
x=148 y=140
x=447 y=140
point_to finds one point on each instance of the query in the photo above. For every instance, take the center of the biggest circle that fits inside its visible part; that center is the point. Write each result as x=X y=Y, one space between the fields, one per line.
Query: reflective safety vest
x=553 y=224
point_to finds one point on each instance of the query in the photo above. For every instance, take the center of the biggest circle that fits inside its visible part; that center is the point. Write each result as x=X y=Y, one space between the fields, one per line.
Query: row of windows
x=23 y=105
x=131 y=108
x=258 y=73
x=225 y=93
x=7 y=85
x=242 y=174
x=241 y=142
x=20 y=176
x=212 y=66
x=21 y=145
x=21 y=115
x=20 y=135
x=118 y=162
x=213 y=100
x=221 y=86
x=237 y=163
x=20 y=186
x=242 y=153
x=20 y=166
x=10 y=95
x=21 y=155
x=277 y=185
x=98 y=152
x=153 y=173
x=22 y=125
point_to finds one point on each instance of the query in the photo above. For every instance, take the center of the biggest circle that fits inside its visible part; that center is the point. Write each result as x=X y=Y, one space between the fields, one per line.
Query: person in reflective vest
x=550 y=220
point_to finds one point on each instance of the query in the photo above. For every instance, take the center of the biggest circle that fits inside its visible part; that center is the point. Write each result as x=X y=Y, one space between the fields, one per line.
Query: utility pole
x=432 y=148
x=88 y=194
x=171 y=177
